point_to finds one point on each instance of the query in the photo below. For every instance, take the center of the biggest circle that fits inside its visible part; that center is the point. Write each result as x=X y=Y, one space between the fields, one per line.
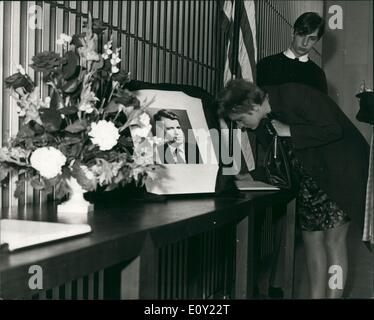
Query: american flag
x=241 y=57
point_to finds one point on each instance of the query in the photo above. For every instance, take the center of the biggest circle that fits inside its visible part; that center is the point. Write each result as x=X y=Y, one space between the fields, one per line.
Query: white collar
x=289 y=54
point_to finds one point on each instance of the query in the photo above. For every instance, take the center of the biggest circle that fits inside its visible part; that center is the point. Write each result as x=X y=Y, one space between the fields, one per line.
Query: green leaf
x=69 y=69
x=70 y=150
x=25 y=131
x=77 y=126
x=36 y=127
x=61 y=189
x=55 y=101
x=69 y=110
x=71 y=140
x=51 y=119
x=126 y=98
x=71 y=86
x=126 y=141
x=112 y=107
x=20 y=188
x=4 y=171
x=37 y=184
x=96 y=65
x=78 y=173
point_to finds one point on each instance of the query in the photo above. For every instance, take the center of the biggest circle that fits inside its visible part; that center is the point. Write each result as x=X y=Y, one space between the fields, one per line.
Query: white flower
x=21 y=112
x=141 y=131
x=107 y=49
x=48 y=161
x=86 y=107
x=21 y=70
x=115 y=59
x=144 y=120
x=63 y=39
x=108 y=45
x=104 y=134
x=114 y=69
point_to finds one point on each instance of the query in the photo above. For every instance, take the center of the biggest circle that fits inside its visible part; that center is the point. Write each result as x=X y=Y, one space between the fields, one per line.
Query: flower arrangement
x=81 y=129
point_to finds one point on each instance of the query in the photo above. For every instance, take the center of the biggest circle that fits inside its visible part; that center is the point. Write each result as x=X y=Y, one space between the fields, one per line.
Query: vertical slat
x=139 y=31
x=169 y=279
x=151 y=49
x=11 y=59
x=195 y=41
x=185 y=268
x=80 y=288
x=173 y=31
x=101 y=285
x=179 y=41
x=163 y=274
x=118 y=21
x=91 y=286
x=185 y=31
x=56 y=293
x=30 y=51
x=202 y=45
x=189 y=46
x=165 y=40
x=59 y=27
x=68 y=291
x=211 y=44
x=145 y=48
x=72 y=18
x=176 y=250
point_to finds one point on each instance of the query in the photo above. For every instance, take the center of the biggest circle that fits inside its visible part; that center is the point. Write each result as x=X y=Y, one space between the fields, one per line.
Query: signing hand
x=283 y=130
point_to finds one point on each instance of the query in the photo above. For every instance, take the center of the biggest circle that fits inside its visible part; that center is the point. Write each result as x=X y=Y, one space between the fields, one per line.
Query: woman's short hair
x=308 y=22
x=239 y=96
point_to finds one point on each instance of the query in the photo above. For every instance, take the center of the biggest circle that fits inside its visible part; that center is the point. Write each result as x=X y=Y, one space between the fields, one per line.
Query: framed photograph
x=188 y=150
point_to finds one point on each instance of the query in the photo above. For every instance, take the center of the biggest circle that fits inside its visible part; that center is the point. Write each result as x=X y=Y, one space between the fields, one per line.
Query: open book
x=246 y=183
x=19 y=234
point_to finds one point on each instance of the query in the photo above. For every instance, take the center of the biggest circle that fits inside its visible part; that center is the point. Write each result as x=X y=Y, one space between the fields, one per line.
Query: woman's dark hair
x=238 y=96
x=308 y=22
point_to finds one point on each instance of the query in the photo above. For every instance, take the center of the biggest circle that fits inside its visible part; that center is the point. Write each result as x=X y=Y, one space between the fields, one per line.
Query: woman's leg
x=317 y=263
x=337 y=259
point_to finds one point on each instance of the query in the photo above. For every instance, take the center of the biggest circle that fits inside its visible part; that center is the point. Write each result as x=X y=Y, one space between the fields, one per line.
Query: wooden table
x=133 y=233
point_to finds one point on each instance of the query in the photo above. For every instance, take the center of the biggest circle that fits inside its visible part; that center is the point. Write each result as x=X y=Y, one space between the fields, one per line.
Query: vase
x=76 y=208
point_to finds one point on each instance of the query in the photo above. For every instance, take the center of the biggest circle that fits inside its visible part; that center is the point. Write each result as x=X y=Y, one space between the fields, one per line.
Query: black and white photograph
x=192 y=155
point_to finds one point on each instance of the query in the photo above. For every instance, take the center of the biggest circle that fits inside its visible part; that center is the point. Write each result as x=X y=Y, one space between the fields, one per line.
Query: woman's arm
x=309 y=115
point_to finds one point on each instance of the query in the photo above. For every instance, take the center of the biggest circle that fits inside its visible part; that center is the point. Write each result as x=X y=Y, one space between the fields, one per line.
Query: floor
x=360 y=282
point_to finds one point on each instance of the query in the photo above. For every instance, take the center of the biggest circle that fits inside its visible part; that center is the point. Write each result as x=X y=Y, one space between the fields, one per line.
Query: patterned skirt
x=316 y=211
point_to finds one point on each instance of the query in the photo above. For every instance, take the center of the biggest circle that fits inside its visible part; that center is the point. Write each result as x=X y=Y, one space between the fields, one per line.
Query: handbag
x=276 y=162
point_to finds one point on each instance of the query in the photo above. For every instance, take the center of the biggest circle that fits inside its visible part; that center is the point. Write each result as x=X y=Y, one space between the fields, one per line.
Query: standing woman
x=330 y=157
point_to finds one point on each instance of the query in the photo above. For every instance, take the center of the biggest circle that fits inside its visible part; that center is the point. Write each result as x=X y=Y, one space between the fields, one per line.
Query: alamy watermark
x=36 y=280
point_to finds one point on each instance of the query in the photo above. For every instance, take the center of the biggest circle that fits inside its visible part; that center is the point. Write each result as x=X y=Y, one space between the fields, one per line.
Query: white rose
x=48 y=161
x=104 y=134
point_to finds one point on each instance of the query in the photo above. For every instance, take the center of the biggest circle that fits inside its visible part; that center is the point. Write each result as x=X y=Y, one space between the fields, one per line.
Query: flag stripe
x=247 y=40
x=246 y=59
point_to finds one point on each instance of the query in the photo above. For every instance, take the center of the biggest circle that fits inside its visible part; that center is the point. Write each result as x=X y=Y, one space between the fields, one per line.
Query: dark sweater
x=279 y=69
